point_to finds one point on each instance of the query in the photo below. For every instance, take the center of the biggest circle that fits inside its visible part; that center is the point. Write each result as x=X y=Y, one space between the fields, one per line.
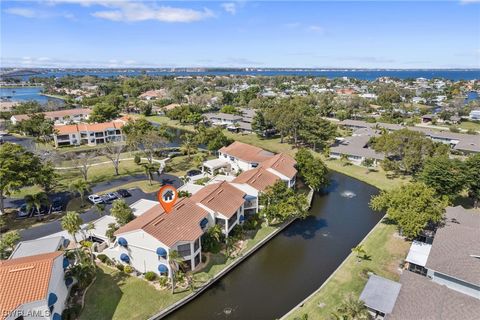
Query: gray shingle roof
x=456 y=244
x=423 y=299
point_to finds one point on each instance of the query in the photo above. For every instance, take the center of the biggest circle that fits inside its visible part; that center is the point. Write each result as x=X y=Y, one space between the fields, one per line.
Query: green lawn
x=470 y=125
x=170 y=123
x=386 y=250
x=115 y=295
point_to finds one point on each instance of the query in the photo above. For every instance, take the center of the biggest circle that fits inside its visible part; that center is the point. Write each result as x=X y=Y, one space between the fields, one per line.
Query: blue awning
x=56 y=316
x=122 y=241
x=163 y=269
x=203 y=223
x=242 y=218
x=68 y=281
x=125 y=258
x=66 y=263
x=52 y=298
x=66 y=242
x=161 y=252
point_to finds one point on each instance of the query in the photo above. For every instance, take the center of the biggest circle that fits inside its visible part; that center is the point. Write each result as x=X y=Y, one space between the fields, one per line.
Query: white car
x=95 y=199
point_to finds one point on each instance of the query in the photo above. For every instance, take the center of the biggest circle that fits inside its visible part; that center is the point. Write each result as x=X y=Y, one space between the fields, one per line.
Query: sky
x=315 y=34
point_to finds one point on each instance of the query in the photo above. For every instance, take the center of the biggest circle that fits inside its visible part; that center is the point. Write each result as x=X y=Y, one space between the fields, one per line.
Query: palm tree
x=71 y=223
x=352 y=309
x=36 y=201
x=150 y=169
x=100 y=208
x=84 y=274
x=80 y=186
x=89 y=245
x=189 y=144
x=176 y=262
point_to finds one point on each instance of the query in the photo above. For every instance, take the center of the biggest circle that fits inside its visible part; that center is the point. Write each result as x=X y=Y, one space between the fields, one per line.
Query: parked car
x=57 y=205
x=23 y=212
x=95 y=199
x=123 y=193
x=110 y=197
x=193 y=172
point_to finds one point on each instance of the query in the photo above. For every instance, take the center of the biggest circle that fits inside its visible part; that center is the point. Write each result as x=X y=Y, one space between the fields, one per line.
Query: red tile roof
x=282 y=163
x=93 y=127
x=180 y=224
x=56 y=114
x=25 y=280
x=220 y=197
x=258 y=178
x=246 y=152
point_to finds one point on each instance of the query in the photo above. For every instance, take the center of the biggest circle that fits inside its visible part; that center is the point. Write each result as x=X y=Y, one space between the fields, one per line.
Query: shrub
x=150 y=275
x=103 y=258
x=163 y=281
x=128 y=269
x=72 y=312
x=120 y=266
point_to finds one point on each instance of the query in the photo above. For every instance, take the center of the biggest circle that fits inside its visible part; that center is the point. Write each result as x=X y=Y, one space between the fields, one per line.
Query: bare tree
x=82 y=161
x=113 y=151
x=150 y=143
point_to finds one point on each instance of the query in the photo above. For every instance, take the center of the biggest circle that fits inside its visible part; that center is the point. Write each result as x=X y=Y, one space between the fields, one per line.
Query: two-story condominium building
x=145 y=242
x=442 y=280
x=224 y=202
x=33 y=287
x=59 y=116
x=88 y=134
x=242 y=157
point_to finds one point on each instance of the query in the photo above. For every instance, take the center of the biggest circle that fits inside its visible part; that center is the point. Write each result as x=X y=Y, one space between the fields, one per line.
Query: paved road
x=54 y=226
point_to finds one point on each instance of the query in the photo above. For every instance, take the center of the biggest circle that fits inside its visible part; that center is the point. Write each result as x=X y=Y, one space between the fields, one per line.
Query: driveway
x=55 y=226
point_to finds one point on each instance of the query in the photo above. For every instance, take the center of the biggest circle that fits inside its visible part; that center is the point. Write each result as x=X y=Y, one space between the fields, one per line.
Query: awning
x=163 y=269
x=66 y=263
x=242 y=218
x=122 y=241
x=125 y=258
x=161 y=252
x=68 y=281
x=52 y=298
x=203 y=223
x=419 y=252
x=56 y=316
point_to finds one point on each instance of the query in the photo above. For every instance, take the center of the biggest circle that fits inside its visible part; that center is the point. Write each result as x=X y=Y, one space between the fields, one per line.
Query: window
x=232 y=158
x=225 y=156
x=254 y=165
x=197 y=259
x=196 y=245
x=232 y=220
x=184 y=250
x=417 y=269
x=220 y=222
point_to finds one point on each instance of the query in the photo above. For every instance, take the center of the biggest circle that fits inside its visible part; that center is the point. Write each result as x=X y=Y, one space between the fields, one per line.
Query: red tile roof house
x=145 y=242
x=33 y=287
x=59 y=116
x=89 y=133
x=242 y=157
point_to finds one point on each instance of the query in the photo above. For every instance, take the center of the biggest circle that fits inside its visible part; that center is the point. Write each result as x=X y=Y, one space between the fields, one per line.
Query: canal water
x=22 y=94
x=294 y=263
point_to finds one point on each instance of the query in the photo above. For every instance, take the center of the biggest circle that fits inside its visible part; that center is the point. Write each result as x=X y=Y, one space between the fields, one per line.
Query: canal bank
x=295 y=262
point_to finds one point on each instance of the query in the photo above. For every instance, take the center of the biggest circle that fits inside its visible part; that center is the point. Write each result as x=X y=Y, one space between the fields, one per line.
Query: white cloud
x=47 y=62
x=23 y=12
x=230 y=7
x=315 y=28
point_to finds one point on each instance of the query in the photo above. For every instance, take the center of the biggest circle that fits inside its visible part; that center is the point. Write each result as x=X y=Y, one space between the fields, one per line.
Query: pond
x=294 y=263
x=22 y=94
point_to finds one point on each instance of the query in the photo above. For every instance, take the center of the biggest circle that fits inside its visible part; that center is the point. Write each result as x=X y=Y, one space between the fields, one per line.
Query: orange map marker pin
x=167 y=196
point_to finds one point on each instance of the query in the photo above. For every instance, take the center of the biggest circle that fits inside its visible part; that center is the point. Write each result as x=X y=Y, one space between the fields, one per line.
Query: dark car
x=57 y=205
x=123 y=193
x=23 y=211
x=109 y=197
x=193 y=172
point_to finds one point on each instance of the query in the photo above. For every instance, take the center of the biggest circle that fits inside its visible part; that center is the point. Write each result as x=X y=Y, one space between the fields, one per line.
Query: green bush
x=120 y=266
x=103 y=258
x=163 y=281
x=72 y=312
x=128 y=269
x=150 y=276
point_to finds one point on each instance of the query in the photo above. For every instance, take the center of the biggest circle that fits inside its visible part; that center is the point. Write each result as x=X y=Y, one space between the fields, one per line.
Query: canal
x=294 y=263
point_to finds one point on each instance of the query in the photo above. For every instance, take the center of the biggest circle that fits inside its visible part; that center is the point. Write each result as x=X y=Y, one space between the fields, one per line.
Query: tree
x=229 y=109
x=18 y=168
x=122 y=212
x=407 y=149
x=36 y=200
x=472 y=176
x=352 y=309
x=176 y=262
x=360 y=252
x=82 y=161
x=47 y=177
x=81 y=187
x=260 y=125
x=446 y=176
x=312 y=170
x=103 y=112
x=38 y=126
x=110 y=233
x=8 y=242
x=113 y=151
x=149 y=170
x=412 y=206
x=317 y=132
x=280 y=203
x=189 y=144
x=71 y=223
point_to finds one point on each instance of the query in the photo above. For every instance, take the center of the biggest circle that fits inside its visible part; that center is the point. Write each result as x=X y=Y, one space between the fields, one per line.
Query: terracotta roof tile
x=57 y=113
x=93 y=127
x=220 y=197
x=282 y=163
x=246 y=152
x=258 y=178
x=180 y=224
x=25 y=280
